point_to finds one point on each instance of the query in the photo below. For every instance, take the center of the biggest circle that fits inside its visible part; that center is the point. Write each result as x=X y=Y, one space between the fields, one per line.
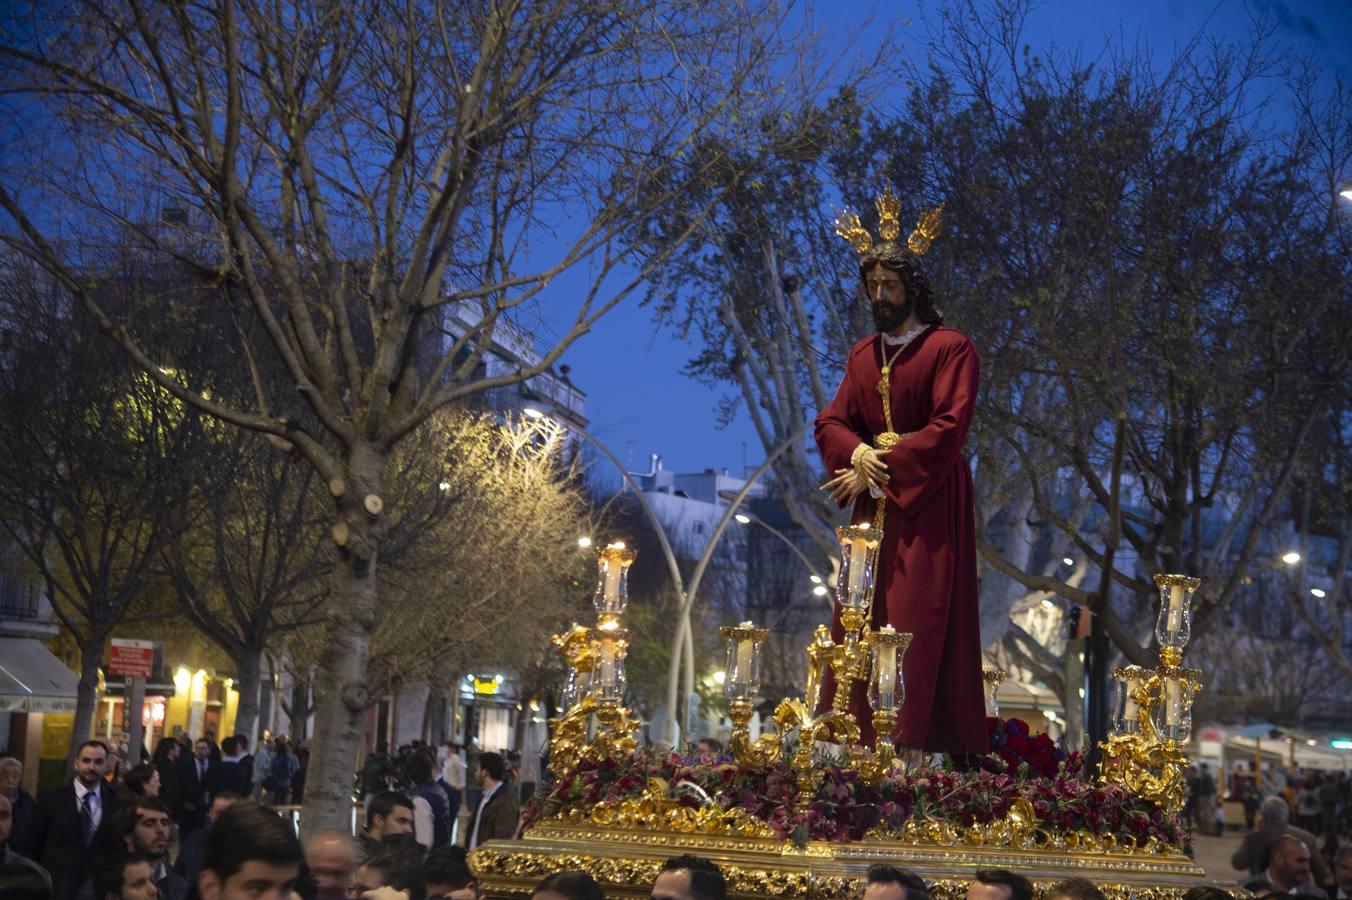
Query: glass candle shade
x=607 y=678
x=573 y=686
x=1172 y=716
x=742 y=668
x=887 y=685
x=1173 y=628
x=1126 y=712
x=858 y=562
x=993 y=678
x=612 y=578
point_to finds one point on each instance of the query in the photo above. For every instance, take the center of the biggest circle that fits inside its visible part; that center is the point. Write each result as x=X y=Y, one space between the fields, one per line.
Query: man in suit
x=250 y=852
x=246 y=760
x=7 y=856
x=1288 y=871
x=20 y=801
x=194 y=786
x=189 y=862
x=228 y=774
x=497 y=814
x=1274 y=821
x=144 y=827
x=124 y=876
x=73 y=824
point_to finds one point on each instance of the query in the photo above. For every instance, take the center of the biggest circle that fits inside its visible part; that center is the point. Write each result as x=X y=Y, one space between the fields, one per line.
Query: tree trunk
x=249 y=662
x=340 y=694
x=434 y=712
x=264 y=705
x=86 y=697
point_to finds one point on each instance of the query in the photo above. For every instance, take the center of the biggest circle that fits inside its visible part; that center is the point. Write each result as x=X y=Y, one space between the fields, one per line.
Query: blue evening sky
x=638 y=400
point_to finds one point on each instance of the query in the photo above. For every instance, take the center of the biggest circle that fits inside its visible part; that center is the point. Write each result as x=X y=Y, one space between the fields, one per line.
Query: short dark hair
x=493 y=764
x=242 y=741
x=138 y=777
x=913 y=884
x=383 y=804
x=400 y=866
x=228 y=746
x=1076 y=889
x=446 y=865
x=1020 y=888
x=23 y=882
x=246 y=832
x=706 y=879
x=110 y=873
x=95 y=743
x=572 y=885
x=165 y=746
x=418 y=769
x=127 y=818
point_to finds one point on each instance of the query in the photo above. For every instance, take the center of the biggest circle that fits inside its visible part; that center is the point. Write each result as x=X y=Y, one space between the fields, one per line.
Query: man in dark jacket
x=1275 y=815
x=193 y=782
x=72 y=825
x=20 y=801
x=165 y=761
x=228 y=774
x=144 y=827
x=498 y=812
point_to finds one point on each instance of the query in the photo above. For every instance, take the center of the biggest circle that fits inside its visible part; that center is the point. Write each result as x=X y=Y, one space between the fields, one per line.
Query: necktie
x=87 y=818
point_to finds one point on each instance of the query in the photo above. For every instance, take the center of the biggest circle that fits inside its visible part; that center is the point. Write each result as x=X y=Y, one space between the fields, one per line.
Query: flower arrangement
x=847 y=807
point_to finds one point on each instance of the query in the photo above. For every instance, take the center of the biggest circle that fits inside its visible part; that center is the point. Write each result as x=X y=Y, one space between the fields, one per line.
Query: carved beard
x=888 y=317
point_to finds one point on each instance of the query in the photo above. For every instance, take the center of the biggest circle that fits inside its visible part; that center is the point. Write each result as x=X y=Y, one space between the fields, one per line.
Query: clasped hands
x=868 y=469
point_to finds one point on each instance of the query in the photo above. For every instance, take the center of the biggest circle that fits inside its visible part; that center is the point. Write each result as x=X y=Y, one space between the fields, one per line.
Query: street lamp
x=1291 y=557
x=1318 y=592
x=584 y=542
x=743 y=519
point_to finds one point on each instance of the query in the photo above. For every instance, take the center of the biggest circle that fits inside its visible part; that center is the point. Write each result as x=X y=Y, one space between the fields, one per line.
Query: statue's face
x=887 y=294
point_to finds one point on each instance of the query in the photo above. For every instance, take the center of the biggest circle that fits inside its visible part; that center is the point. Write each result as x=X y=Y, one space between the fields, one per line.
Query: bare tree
x=95 y=468
x=372 y=188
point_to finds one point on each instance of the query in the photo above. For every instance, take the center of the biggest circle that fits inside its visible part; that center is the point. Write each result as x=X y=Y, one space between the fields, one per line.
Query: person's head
x=709 y=745
x=418 y=769
x=1078 y=888
x=11 y=773
x=91 y=762
x=390 y=813
x=999 y=884
x=228 y=746
x=1288 y=861
x=167 y=750
x=451 y=747
x=125 y=876
x=220 y=803
x=241 y=744
x=396 y=864
x=145 y=826
x=1342 y=868
x=201 y=748
x=331 y=859
x=6 y=819
x=1275 y=811
x=23 y=882
x=143 y=780
x=492 y=769
x=896 y=285
x=251 y=853
x=891 y=883
x=689 y=877
x=446 y=875
x=568 y=886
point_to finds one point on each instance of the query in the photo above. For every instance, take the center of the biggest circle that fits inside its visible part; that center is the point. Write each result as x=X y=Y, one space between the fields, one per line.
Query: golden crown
x=926 y=230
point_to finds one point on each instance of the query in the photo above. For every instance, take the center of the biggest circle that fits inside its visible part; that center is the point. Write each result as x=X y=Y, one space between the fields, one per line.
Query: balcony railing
x=19 y=599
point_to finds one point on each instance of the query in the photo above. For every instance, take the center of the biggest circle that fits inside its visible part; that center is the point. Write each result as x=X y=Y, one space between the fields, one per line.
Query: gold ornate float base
x=626 y=861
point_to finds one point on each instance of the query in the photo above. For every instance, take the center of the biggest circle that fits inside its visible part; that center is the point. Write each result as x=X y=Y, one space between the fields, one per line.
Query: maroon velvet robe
x=927 y=583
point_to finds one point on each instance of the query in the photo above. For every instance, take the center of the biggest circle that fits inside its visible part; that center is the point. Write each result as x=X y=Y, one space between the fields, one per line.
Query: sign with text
x=131 y=658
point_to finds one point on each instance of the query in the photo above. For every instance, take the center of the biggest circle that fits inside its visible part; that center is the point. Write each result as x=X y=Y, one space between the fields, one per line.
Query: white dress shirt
x=95 y=801
x=478 y=814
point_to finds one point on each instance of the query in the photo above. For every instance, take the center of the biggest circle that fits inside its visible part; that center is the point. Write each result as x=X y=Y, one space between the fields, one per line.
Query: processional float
x=804 y=808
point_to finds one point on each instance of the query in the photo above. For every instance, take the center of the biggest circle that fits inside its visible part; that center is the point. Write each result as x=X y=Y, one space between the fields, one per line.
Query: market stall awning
x=32 y=679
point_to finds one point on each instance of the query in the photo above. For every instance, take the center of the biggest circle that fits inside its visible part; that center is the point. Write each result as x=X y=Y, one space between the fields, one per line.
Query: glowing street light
x=815 y=579
x=1067 y=561
x=584 y=542
x=743 y=519
x=533 y=413
x=1318 y=592
x=1290 y=557
x=820 y=590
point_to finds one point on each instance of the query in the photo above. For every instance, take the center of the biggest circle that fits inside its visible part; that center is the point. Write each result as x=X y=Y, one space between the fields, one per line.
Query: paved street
x=1213 y=854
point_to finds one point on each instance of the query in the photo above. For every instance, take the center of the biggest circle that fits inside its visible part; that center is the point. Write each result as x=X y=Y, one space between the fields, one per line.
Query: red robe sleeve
x=836 y=437
x=919 y=465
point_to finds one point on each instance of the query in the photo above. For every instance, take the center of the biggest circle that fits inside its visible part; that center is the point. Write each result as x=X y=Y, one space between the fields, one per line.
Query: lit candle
x=608 y=663
x=858 y=552
x=745 y=647
x=1175 y=608
x=887 y=670
x=613 y=570
x=1173 y=702
x=1129 y=709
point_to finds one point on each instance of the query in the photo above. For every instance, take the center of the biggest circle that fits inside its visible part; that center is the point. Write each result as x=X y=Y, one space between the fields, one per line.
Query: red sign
x=131 y=658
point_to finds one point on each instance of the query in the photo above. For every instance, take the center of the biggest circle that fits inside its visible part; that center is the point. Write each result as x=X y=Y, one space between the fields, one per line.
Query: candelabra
x=993 y=679
x=595 y=724
x=861 y=655
x=1152 y=714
